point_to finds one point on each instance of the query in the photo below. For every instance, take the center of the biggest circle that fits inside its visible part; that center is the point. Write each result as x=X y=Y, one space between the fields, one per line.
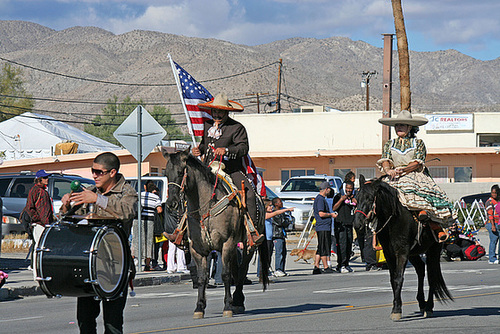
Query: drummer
x=114 y=198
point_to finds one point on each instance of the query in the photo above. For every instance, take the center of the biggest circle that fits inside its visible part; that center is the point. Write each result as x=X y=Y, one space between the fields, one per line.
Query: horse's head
x=366 y=198
x=175 y=171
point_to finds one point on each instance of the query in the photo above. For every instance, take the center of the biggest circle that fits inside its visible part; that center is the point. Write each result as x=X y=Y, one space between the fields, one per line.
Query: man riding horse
x=225 y=140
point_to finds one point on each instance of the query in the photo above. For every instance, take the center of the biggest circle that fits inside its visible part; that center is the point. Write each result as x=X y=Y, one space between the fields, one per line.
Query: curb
x=7 y=293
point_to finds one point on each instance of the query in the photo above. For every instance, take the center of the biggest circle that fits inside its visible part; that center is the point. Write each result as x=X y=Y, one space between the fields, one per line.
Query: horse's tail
x=264 y=264
x=441 y=291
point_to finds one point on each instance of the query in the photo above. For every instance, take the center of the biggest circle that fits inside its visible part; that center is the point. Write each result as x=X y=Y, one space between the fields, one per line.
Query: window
x=368 y=173
x=61 y=187
x=4 y=184
x=288 y=173
x=21 y=187
x=463 y=174
x=439 y=173
x=341 y=172
x=488 y=139
x=154 y=171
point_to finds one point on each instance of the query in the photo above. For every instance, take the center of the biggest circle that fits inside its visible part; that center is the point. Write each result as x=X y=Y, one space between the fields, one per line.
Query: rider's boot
x=442 y=236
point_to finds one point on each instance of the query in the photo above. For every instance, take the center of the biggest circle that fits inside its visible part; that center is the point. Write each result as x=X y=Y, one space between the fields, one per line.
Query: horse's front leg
x=228 y=250
x=202 y=271
x=240 y=270
x=419 y=266
x=397 y=265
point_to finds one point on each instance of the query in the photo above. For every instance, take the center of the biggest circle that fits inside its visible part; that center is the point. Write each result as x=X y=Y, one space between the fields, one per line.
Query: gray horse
x=194 y=183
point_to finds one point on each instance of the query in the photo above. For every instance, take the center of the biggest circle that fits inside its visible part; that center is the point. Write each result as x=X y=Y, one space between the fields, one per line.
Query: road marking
x=301 y=314
x=20 y=319
x=195 y=293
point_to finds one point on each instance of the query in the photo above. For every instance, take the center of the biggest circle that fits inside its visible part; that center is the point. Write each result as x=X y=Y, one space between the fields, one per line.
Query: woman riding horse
x=403 y=161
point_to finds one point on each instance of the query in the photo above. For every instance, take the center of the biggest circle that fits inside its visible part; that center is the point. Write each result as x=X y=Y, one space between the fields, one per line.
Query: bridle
x=371 y=214
x=183 y=182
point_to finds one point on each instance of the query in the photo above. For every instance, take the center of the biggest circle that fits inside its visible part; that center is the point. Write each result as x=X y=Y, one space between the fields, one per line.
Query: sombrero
x=221 y=102
x=404 y=117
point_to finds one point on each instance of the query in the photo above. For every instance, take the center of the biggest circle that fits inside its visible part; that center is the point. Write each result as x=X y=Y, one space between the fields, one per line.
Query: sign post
x=130 y=134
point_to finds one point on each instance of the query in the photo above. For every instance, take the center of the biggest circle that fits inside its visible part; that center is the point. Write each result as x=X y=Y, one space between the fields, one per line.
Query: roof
x=31 y=135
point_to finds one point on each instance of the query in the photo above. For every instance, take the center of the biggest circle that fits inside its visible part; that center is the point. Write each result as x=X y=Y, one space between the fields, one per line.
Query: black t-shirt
x=345 y=211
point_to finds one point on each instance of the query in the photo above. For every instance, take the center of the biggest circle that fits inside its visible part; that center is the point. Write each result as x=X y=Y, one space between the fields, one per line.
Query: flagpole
x=176 y=76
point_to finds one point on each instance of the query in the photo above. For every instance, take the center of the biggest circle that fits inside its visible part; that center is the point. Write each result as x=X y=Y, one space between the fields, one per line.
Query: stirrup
x=423 y=216
x=442 y=236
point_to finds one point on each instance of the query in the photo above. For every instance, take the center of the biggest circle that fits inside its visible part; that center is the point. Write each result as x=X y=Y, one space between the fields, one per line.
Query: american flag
x=193 y=93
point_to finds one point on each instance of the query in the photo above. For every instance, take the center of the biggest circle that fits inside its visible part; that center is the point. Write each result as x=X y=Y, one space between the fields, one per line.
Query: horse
x=402 y=239
x=190 y=180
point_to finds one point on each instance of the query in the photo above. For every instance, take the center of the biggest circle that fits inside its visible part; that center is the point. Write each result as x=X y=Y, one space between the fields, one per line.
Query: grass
x=11 y=245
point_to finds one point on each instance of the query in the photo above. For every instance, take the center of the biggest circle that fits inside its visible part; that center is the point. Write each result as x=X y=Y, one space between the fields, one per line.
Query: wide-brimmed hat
x=221 y=102
x=404 y=117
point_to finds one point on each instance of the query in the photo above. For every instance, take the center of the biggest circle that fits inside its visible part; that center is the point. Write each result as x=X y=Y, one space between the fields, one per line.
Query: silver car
x=301 y=211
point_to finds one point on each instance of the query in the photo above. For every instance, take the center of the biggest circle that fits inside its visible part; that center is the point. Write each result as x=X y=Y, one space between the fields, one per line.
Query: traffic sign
x=132 y=127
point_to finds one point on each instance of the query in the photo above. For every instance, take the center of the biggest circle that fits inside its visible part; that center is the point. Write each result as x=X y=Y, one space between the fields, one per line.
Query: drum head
x=110 y=264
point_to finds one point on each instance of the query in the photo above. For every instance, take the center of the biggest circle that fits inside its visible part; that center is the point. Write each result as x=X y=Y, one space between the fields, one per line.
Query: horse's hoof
x=428 y=314
x=395 y=316
x=198 y=315
x=238 y=309
x=422 y=311
x=227 y=314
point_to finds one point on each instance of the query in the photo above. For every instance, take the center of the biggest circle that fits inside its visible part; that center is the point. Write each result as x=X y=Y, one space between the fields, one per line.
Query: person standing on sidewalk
x=323 y=218
x=39 y=207
x=493 y=223
x=345 y=205
x=280 y=222
x=150 y=203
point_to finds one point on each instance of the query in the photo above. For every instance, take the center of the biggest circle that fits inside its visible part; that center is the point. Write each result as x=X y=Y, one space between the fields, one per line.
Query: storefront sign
x=461 y=122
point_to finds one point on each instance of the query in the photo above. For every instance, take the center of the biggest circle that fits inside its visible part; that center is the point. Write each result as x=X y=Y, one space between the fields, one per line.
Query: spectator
x=323 y=218
x=280 y=223
x=493 y=223
x=268 y=204
x=150 y=203
x=39 y=207
x=345 y=205
x=458 y=240
x=370 y=253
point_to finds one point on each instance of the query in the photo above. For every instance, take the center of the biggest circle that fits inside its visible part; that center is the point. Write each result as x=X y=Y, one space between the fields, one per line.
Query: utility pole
x=278 y=95
x=387 y=85
x=258 y=100
x=366 y=81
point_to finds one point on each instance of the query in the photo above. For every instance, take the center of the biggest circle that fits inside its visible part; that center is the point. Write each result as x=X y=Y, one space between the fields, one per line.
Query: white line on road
x=20 y=319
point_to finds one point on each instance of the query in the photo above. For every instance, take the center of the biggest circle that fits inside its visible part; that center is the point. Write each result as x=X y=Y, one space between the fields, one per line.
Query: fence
x=471 y=216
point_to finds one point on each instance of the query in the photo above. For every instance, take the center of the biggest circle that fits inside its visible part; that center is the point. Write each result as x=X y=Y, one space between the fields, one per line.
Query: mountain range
x=85 y=66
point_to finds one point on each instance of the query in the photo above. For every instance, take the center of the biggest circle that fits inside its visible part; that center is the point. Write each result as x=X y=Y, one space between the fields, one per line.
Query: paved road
x=300 y=303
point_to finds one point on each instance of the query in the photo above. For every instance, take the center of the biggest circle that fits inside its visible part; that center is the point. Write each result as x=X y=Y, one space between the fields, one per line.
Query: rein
x=370 y=214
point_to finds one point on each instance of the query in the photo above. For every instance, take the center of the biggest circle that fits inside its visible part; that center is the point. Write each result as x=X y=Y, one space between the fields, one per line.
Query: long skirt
x=418 y=191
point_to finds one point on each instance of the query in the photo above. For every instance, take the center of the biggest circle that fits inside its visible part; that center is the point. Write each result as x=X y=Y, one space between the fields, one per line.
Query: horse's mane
x=196 y=163
x=389 y=197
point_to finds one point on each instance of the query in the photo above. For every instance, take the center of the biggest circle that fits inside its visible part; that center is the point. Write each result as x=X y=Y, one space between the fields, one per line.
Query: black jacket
x=280 y=222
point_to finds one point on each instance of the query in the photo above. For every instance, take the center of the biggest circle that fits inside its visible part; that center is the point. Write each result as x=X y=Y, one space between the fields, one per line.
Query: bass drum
x=83 y=260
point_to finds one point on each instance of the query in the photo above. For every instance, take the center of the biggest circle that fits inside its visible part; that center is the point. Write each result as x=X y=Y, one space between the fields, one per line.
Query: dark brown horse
x=402 y=239
x=193 y=182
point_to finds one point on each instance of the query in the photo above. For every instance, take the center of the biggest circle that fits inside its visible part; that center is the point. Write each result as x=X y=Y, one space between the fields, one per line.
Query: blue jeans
x=493 y=243
x=280 y=249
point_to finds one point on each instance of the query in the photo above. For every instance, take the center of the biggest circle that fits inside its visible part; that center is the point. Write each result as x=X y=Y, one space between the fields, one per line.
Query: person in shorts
x=323 y=217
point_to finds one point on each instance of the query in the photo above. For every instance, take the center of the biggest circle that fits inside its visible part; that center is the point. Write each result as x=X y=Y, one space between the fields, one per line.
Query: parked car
x=160 y=181
x=304 y=189
x=469 y=199
x=300 y=213
x=14 y=188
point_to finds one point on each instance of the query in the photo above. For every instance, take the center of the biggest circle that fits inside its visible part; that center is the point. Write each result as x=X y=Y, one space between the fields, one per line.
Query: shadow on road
x=293 y=309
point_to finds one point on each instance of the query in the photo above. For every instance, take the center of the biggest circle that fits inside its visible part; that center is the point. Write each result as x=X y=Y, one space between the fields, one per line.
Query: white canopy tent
x=31 y=135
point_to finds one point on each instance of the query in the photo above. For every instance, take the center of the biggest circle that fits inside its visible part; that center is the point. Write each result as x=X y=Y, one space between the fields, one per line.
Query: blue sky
x=469 y=26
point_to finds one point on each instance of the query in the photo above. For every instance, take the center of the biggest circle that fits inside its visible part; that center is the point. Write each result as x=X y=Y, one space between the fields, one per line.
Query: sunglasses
x=99 y=172
x=45 y=177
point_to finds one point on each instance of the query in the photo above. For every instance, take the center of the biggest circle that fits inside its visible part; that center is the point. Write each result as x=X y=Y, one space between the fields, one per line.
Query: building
x=291 y=144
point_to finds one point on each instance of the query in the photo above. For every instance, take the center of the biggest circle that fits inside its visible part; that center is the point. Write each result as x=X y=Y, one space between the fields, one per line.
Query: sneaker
x=456 y=259
x=184 y=271
x=344 y=270
x=493 y=262
x=170 y=271
x=349 y=269
x=328 y=271
x=279 y=273
x=316 y=271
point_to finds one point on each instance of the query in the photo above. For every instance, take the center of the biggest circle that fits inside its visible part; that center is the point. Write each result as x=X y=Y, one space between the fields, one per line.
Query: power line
x=125 y=83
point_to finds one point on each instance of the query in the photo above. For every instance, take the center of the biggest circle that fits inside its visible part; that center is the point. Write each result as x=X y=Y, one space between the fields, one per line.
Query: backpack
x=474 y=252
x=25 y=219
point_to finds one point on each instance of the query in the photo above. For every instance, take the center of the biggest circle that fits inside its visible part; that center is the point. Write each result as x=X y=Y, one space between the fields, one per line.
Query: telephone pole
x=258 y=100
x=278 y=94
x=366 y=81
